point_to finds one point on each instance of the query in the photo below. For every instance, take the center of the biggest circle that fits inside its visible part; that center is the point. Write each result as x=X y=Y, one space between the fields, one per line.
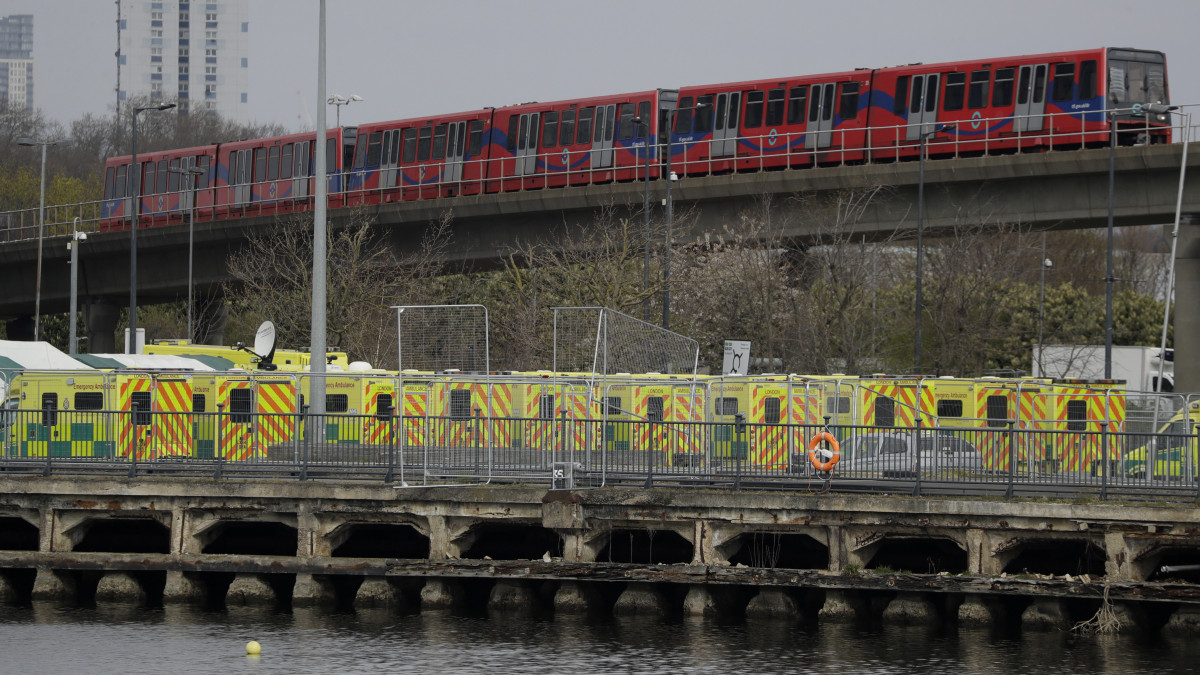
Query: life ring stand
x=816 y=441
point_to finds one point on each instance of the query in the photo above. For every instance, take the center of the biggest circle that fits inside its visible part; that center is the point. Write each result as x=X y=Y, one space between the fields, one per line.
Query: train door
x=821 y=105
x=456 y=147
x=725 y=130
x=389 y=159
x=243 y=171
x=527 y=144
x=603 y=128
x=922 y=105
x=1031 y=98
x=300 y=173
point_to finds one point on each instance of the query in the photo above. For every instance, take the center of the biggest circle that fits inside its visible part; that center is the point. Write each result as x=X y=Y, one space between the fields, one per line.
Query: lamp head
x=1047 y=263
x=26 y=142
x=355 y=97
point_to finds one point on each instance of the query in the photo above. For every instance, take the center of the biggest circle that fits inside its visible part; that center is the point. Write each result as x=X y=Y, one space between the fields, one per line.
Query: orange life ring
x=828 y=465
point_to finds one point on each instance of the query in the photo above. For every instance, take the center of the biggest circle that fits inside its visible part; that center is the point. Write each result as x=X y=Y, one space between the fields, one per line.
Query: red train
x=1024 y=103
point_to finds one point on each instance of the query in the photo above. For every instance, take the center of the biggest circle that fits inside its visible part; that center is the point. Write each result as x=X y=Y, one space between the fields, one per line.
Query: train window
x=1076 y=415
x=644 y=113
x=735 y=110
x=426 y=136
x=977 y=94
x=1023 y=87
x=141 y=405
x=460 y=143
x=584 y=132
x=260 y=165
x=956 y=85
x=949 y=408
x=727 y=405
x=722 y=110
x=566 y=129
x=775 y=105
x=837 y=406
x=848 y=106
x=460 y=404
x=162 y=176
x=475 y=138
x=147 y=178
x=49 y=410
x=901 y=98
x=1063 y=87
x=549 y=129
x=683 y=118
x=885 y=411
x=273 y=163
x=202 y=178
x=383 y=405
x=611 y=405
x=772 y=410
x=796 y=102
x=173 y=176
x=601 y=114
x=546 y=407
x=304 y=159
x=241 y=405
x=108 y=183
x=89 y=400
x=610 y=122
x=704 y=114
x=1002 y=90
x=374 y=145
x=1039 y=84
x=654 y=409
x=827 y=107
x=914 y=102
x=439 y=142
x=626 y=127
x=118 y=190
x=198 y=402
x=931 y=84
x=997 y=411
x=410 y=145
x=285 y=163
x=1087 y=79
x=754 y=109
x=337 y=403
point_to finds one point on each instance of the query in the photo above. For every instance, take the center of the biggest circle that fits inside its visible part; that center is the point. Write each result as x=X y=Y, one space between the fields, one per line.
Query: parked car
x=895 y=453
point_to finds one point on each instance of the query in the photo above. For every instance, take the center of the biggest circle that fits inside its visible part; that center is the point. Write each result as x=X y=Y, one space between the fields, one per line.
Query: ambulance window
x=546 y=407
x=197 y=402
x=140 y=402
x=383 y=405
x=727 y=406
x=772 y=411
x=997 y=411
x=612 y=404
x=460 y=404
x=240 y=405
x=885 y=412
x=337 y=403
x=654 y=409
x=89 y=400
x=949 y=408
x=1076 y=415
x=49 y=410
x=839 y=405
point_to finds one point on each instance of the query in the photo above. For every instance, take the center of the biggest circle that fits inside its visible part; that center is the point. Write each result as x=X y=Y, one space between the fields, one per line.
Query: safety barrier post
x=46 y=413
x=218 y=458
x=1012 y=459
x=1104 y=460
x=475 y=437
x=1191 y=458
x=740 y=428
x=649 y=454
x=391 y=432
x=917 y=479
x=308 y=441
x=133 y=451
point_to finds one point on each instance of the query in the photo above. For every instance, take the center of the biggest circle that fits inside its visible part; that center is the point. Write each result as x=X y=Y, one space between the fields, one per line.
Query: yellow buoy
x=253 y=648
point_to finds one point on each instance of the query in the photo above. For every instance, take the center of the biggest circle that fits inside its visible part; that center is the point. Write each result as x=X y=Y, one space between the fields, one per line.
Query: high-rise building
x=191 y=52
x=16 y=60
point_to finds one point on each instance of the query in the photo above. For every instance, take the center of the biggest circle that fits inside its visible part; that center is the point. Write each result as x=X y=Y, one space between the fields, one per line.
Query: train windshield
x=1136 y=77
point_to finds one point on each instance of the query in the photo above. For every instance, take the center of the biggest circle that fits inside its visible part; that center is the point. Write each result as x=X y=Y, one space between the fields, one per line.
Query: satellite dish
x=264 y=342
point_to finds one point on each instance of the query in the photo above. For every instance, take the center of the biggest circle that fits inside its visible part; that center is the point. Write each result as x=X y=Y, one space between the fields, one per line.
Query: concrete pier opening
x=930 y=555
x=1175 y=563
x=381 y=541
x=124 y=535
x=18 y=534
x=777 y=550
x=251 y=538
x=1057 y=557
x=645 y=546
x=511 y=542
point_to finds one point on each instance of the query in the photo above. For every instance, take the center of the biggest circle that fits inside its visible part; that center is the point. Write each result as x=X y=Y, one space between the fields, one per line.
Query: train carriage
x=275 y=175
x=167 y=189
x=1026 y=102
x=422 y=158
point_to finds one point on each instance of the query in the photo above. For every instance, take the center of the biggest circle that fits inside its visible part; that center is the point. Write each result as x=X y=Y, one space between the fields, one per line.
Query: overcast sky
x=410 y=58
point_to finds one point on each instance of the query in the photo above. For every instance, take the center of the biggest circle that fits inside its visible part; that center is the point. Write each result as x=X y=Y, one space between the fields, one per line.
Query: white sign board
x=737 y=357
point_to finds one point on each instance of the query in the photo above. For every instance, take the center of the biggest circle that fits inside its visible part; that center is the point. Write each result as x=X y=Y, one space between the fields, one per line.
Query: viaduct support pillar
x=100 y=320
x=1187 y=303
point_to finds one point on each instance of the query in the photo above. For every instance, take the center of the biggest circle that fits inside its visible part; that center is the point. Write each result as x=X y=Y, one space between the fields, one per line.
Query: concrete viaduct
x=1057 y=190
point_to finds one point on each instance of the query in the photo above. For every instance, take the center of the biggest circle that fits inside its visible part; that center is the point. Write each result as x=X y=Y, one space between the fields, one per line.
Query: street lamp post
x=338 y=100
x=133 y=227
x=37 y=301
x=77 y=238
x=1045 y=265
x=921 y=242
x=1108 y=268
x=646 y=212
x=190 y=174
x=1186 y=128
x=669 y=177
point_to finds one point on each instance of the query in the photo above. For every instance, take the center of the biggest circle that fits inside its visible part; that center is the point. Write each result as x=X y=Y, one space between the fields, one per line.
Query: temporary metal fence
x=566 y=452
